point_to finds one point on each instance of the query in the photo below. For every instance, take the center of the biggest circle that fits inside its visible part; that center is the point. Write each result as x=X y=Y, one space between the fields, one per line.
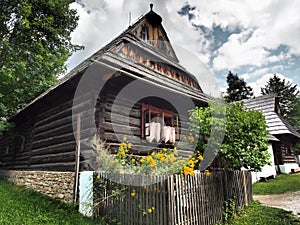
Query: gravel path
x=288 y=201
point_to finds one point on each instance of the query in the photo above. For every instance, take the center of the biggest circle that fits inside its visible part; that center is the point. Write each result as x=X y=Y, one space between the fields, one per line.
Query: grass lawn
x=21 y=206
x=257 y=214
x=282 y=184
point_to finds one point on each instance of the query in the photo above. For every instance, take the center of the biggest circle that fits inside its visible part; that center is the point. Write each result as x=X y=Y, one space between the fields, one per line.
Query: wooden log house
x=282 y=136
x=140 y=60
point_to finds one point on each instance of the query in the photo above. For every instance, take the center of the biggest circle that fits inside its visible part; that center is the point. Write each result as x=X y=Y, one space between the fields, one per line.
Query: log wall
x=45 y=138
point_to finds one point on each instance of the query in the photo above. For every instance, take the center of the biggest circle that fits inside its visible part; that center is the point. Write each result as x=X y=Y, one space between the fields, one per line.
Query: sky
x=252 y=38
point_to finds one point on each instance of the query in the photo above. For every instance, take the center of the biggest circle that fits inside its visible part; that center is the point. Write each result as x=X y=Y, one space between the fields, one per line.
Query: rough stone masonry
x=54 y=184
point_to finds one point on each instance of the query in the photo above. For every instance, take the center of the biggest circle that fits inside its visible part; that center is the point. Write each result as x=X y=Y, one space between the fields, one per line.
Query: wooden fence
x=172 y=200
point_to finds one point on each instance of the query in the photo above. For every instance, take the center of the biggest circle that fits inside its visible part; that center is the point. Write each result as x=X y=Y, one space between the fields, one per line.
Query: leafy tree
x=286 y=92
x=34 y=45
x=245 y=140
x=237 y=88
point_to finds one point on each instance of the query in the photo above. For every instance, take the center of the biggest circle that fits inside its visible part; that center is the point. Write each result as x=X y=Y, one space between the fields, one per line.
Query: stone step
x=288 y=159
x=297 y=170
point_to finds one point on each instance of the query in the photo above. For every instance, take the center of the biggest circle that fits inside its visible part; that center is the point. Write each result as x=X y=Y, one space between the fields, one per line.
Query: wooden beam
x=77 y=157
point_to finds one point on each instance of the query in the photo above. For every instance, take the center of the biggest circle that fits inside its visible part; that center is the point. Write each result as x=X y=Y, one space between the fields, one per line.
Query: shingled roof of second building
x=267 y=104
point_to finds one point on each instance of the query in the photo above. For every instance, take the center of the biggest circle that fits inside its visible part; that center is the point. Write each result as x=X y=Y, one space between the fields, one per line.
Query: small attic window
x=144 y=33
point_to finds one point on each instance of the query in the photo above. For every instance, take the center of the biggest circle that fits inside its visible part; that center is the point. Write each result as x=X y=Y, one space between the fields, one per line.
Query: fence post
x=171 y=208
x=245 y=187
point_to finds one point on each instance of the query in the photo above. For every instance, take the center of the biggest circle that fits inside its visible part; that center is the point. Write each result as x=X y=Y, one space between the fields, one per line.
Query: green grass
x=282 y=184
x=257 y=214
x=22 y=206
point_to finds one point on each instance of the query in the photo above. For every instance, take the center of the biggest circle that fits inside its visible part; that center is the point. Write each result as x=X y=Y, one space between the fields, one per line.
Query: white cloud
x=272 y=23
x=101 y=21
x=264 y=26
x=254 y=74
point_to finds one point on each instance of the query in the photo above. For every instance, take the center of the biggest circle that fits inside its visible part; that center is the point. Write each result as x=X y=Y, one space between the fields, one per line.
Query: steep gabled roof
x=157 y=47
x=267 y=104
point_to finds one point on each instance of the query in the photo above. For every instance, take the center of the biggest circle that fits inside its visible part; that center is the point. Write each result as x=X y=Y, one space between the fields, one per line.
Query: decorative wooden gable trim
x=136 y=54
x=150 y=30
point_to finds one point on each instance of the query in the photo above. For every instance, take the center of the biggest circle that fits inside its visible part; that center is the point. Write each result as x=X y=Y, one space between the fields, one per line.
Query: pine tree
x=287 y=94
x=294 y=116
x=237 y=88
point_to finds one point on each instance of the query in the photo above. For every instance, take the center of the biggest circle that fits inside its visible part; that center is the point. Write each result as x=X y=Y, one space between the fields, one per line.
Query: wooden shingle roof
x=176 y=77
x=267 y=104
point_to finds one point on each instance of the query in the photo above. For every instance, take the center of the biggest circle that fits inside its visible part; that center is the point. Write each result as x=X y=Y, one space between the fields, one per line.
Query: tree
x=287 y=94
x=237 y=88
x=34 y=45
x=245 y=142
x=294 y=116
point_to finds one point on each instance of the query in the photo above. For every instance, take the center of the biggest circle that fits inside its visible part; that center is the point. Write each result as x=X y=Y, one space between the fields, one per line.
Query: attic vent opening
x=144 y=33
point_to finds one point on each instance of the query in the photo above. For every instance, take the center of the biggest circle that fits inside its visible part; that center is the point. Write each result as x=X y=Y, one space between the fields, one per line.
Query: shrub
x=245 y=143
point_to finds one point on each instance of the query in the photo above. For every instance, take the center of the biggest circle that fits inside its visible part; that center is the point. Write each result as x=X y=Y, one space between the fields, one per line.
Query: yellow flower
x=153 y=208
x=129 y=145
x=175 y=148
x=149 y=158
x=149 y=210
x=192 y=139
x=98 y=177
x=192 y=173
x=153 y=163
x=200 y=157
x=191 y=163
x=124 y=138
x=164 y=149
x=123 y=144
x=161 y=156
x=207 y=173
x=145 y=187
x=172 y=159
x=132 y=194
x=122 y=152
x=133 y=160
x=186 y=170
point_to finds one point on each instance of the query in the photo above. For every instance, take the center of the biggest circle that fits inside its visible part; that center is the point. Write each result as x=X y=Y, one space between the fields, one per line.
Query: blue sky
x=252 y=38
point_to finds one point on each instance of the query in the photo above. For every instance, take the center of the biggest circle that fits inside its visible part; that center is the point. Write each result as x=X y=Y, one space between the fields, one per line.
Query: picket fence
x=171 y=200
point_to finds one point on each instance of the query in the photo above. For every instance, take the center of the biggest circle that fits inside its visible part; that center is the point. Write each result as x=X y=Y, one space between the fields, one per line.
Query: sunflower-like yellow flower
x=123 y=145
x=149 y=158
x=207 y=173
x=186 y=170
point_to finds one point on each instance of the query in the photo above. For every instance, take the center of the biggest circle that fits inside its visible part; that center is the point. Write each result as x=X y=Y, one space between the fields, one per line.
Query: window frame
x=162 y=113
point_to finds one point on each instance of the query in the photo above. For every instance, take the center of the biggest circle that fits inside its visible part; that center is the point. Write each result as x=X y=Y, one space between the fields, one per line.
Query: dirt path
x=288 y=201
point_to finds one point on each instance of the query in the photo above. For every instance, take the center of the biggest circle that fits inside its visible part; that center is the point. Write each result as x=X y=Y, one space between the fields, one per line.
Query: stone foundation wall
x=54 y=184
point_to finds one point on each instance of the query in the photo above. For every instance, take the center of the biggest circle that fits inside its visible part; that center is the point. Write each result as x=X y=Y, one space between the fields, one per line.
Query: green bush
x=244 y=144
